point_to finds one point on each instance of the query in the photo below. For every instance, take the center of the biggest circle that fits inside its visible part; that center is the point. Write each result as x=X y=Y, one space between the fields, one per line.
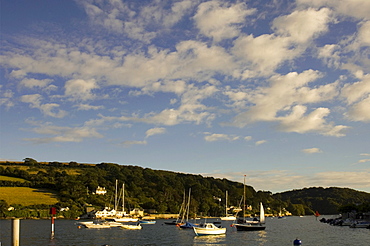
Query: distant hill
x=74 y=185
x=324 y=200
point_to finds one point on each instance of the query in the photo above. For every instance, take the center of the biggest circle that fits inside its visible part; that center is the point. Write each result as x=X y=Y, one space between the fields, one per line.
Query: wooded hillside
x=160 y=191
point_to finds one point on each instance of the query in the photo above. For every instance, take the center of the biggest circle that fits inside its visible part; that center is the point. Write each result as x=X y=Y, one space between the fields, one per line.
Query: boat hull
x=147 y=222
x=208 y=232
x=131 y=227
x=228 y=218
x=209 y=229
x=241 y=227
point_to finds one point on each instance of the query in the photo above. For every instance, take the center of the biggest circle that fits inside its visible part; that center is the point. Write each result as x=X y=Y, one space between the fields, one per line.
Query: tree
x=3 y=208
x=30 y=161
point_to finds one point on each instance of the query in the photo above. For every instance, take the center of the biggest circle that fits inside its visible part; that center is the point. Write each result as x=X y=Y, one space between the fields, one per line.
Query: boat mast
x=244 y=201
x=226 y=205
x=123 y=198
x=187 y=215
x=115 y=197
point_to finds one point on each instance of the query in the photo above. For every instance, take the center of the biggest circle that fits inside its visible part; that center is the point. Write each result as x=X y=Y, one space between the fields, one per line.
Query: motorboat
x=208 y=229
x=131 y=227
x=147 y=222
x=360 y=224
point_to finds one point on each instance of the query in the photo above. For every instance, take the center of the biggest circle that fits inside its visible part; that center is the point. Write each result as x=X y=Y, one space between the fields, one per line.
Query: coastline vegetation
x=72 y=185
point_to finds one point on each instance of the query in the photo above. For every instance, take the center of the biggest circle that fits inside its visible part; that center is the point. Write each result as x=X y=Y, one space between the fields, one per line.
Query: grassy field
x=27 y=196
x=6 y=178
x=35 y=170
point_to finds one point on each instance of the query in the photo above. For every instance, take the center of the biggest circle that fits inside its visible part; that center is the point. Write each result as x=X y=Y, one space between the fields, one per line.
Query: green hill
x=325 y=200
x=162 y=191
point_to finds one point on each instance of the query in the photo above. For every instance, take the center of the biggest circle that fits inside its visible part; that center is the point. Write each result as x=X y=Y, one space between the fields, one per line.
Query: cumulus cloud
x=354 y=8
x=357 y=96
x=264 y=53
x=360 y=111
x=283 y=101
x=79 y=89
x=303 y=25
x=49 y=109
x=220 y=20
x=330 y=54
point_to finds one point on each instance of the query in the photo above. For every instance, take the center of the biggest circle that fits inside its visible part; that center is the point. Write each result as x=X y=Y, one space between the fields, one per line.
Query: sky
x=277 y=90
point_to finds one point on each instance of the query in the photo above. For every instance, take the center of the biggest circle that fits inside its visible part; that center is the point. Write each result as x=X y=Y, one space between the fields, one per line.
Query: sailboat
x=254 y=225
x=118 y=216
x=227 y=216
x=122 y=216
x=182 y=208
x=186 y=224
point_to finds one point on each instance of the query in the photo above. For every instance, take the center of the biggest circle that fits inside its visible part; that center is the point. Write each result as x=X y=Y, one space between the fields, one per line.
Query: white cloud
x=264 y=53
x=79 y=89
x=123 y=18
x=219 y=20
x=155 y=131
x=330 y=54
x=283 y=101
x=363 y=36
x=260 y=142
x=247 y=138
x=85 y=107
x=6 y=98
x=315 y=121
x=357 y=96
x=49 y=109
x=354 y=8
x=32 y=83
x=312 y=150
x=219 y=137
x=63 y=134
x=304 y=25
x=360 y=111
x=356 y=91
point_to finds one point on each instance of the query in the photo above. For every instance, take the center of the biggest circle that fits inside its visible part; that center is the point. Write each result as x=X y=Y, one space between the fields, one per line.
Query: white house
x=100 y=191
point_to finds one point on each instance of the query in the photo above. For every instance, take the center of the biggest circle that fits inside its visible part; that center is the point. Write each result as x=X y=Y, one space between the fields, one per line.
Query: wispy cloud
x=155 y=131
x=312 y=150
x=261 y=142
x=213 y=137
x=128 y=143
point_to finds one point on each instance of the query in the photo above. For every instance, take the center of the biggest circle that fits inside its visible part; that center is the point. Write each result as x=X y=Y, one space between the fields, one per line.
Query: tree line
x=156 y=190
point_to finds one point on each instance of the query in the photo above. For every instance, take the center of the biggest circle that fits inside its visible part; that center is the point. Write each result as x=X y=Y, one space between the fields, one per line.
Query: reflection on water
x=210 y=240
x=277 y=233
x=262 y=240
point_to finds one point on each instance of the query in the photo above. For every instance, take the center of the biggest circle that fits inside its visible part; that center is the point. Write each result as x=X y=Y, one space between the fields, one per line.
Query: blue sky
x=278 y=91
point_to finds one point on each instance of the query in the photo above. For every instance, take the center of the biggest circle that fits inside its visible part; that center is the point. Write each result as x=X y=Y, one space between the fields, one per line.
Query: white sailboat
x=255 y=225
x=227 y=216
x=118 y=216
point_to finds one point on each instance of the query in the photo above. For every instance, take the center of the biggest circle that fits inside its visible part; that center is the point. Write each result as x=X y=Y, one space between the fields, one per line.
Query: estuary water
x=279 y=232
